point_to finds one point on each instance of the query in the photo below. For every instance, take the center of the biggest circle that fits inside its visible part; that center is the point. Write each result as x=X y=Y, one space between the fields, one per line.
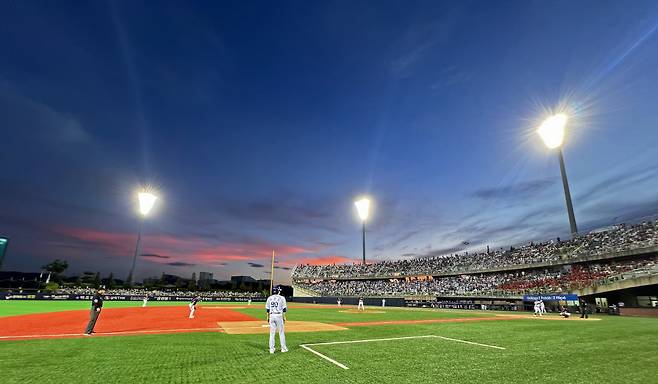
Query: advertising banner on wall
x=551 y=297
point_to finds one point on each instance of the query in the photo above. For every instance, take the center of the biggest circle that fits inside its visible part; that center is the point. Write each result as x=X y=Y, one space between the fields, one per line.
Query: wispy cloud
x=451 y=76
x=37 y=120
x=284 y=209
x=155 y=256
x=327 y=259
x=180 y=264
x=523 y=190
x=416 y=43
x=168 y=249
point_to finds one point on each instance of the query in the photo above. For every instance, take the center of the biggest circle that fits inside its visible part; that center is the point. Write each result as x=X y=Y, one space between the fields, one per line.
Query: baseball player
x=145 y=300
x=383 y=303
x=96 y=305
x=276 y=316
x=564 y=312
x=360 y=307
x=537 y=308
x=542 y=307
x=249 y=301
x=338 y=301
x=192 y=306
x=584 y=309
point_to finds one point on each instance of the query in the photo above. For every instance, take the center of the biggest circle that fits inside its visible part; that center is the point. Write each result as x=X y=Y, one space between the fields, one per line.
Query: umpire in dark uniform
x=584 y=309
x=96 y=305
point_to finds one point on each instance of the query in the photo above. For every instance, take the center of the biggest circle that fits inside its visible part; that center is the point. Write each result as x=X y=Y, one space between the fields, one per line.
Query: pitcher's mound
x=249 y=327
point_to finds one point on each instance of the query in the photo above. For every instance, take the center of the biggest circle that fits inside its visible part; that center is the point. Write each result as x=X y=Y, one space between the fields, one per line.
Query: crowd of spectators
x=155 y=293
x=614 y=239
x=559 y=279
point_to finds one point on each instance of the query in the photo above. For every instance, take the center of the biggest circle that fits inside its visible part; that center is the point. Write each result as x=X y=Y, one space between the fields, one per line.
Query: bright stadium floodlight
x=146 y=202
x=363 y=209
x=552 y=132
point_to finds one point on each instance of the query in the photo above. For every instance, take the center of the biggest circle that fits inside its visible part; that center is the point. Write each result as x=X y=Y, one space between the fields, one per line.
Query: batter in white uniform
x=276 y=316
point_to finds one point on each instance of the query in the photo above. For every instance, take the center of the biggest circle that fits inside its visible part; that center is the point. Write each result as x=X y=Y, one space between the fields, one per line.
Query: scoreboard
x=3 y=249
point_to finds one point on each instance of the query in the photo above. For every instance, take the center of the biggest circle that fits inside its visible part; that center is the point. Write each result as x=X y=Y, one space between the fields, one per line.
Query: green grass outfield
x=613 y=349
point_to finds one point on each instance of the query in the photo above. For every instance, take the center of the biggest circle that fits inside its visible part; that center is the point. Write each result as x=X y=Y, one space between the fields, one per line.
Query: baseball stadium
x=379 y=191
x=452 y=319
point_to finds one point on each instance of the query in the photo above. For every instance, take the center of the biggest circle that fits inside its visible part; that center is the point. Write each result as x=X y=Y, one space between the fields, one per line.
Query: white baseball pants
x=276 y=321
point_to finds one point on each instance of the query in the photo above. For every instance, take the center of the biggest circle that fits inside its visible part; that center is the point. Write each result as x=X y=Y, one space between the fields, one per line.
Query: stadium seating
x=599 y=257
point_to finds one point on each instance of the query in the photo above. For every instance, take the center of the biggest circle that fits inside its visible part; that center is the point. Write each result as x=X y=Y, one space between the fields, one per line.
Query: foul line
x=329 y=359
x=111 y=333
x=470 y=342
x=371 y=340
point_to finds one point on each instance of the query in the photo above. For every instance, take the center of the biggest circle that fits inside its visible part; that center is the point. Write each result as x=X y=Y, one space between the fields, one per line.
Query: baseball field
x=41 y=342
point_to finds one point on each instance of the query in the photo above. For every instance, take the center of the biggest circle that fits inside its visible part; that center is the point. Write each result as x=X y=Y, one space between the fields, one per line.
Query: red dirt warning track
x=116 y=321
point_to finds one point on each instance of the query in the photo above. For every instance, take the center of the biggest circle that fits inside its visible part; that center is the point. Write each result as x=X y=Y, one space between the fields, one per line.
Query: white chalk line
x=371 y=340
x=109 y=333
x=470 y=342
x=308 y=346
x=329 y=359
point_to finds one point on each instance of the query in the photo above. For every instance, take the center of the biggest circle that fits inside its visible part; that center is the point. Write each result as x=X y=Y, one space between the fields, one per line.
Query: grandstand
x=617 y=264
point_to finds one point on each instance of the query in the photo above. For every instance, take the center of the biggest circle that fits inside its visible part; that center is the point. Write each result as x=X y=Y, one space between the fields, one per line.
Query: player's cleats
x=284 y=350
x=271 y=352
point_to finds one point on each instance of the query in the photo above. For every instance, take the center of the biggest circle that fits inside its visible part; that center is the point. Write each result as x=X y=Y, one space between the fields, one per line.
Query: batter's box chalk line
x=343 y=366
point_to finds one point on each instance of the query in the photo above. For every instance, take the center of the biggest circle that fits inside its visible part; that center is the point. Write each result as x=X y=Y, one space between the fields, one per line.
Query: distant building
x=22 y=276
x=242 y=279
x=205 y=276
x=27 y=280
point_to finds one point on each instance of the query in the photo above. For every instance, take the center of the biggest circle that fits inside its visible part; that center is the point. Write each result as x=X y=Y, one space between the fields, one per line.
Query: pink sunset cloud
x=192 y=250
x=329 y=259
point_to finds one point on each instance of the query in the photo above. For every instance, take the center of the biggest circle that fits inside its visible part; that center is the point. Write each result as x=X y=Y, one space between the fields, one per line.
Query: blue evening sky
x=260 y=122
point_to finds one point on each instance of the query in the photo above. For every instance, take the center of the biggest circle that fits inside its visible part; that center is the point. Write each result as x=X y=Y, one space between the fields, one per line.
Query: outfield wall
x=641 y=312
x=419 y=301
x=59 y=297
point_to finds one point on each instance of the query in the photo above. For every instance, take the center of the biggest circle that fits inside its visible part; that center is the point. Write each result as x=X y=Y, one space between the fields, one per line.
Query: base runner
x=276 y=316
x=360 y=307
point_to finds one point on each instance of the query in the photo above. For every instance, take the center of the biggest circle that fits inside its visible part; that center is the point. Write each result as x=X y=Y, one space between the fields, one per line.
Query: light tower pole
x=363 y=209
x=552 y=133
x=146 y=202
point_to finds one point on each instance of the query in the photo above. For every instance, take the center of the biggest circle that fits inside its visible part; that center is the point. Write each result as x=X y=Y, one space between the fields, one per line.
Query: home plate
x=248 y=327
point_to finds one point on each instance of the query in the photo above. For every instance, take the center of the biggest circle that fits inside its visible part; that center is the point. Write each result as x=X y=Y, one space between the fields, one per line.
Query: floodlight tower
x=551 y=132
x=146 y=202
x=363 y=209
